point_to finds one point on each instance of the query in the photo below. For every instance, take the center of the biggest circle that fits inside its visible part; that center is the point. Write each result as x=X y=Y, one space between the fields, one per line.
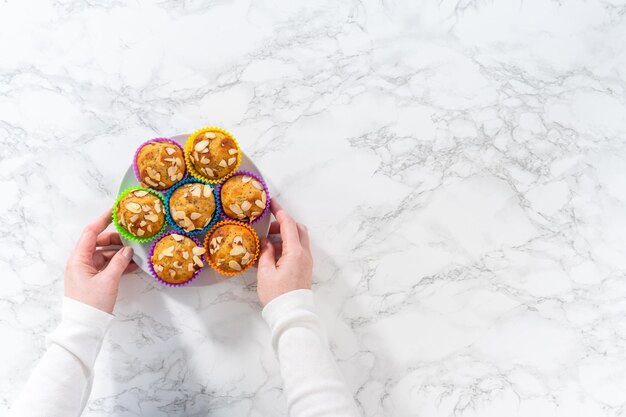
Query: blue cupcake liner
x=168 y=215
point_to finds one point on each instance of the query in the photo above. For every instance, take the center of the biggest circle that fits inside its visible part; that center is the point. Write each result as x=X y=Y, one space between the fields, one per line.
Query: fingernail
x=127 y=252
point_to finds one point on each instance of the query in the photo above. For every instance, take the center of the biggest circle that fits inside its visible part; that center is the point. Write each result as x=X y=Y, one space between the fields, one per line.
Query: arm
x=61 y=383
x=313 y=382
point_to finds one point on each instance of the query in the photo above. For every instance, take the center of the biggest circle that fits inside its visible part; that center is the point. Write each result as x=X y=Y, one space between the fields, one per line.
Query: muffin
x=192 y=206
x=213 y=153
x=243 y=197
x=140 y=213
x=159 y=164
x=231 y=247
x=176 y=258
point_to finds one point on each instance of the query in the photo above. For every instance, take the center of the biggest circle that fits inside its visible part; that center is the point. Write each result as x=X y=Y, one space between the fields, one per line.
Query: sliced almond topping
x=177 y=265
x=158 y=268
x=161 y=183
x=146 y=208
x=245 y=206
x=231 y=161
x=223 y=164
x=209 y=135
x=209 y=172
x=245 y=178
x=122 y=221
x=205 y=150
x=254 y=215
x=237 y=250
x=169 y=251
x=238 y=240
x=264 y=197
x=172 y=273
x=185 y=254
x=133 y=207
x=190 y=267
x=201 y=145
x=206 y=223
x=178 y=162
x=171 y=171
x=235 y=208
x=198 y=250
x=246 y=258
x=195 y=216
x=234 y=265
x=260 y=204
x=150 y=182
x=143 y=223
x=157 y=206
x=180 y=215
x=219 y=239
x=140 y=193
x=160 y=256
x=196 y=191
x=257 y=184
x=206 y=191
x=197 y=261
x=140 y=232
x=232 y=151
x=179 y=176
x=170 y=151
x=150 y=228
x=205 y=160
x=152 y=217
x=133 y=218
x=196 y=156
x=177 y=237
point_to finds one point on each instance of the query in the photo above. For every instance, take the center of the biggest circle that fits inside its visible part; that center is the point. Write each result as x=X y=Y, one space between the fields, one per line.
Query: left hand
x=93 y=272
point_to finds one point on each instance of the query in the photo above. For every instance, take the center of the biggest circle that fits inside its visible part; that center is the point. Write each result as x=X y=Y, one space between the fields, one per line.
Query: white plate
x=208 y=276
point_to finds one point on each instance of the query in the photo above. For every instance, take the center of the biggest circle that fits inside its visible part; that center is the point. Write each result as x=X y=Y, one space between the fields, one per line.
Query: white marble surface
x=460 y=164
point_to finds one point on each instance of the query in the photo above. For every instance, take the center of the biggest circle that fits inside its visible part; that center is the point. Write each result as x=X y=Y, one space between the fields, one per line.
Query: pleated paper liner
x=213 y=265
x=122 y=230
x=265 y=188
x=163 y=140
x=168 y=214
x=189 y=151
x=154 y=273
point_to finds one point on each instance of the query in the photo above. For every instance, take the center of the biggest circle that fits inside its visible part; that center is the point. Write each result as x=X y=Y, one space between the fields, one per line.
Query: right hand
x=294 y=267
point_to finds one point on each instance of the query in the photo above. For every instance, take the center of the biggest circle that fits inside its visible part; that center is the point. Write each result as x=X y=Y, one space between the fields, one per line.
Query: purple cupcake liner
x=166 y=140
x=265 y=187
x=151 y=252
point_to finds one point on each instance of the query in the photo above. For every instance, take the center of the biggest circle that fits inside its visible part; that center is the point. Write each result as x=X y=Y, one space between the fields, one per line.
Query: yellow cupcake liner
x=188 y=151
x=216 y=267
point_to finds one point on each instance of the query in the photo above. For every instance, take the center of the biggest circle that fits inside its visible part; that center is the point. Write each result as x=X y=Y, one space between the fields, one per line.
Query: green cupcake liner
x=122 y=230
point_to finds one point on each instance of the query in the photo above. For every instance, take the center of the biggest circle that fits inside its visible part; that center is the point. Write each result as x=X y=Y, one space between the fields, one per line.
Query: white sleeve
x=313 y=383
x=61 y=383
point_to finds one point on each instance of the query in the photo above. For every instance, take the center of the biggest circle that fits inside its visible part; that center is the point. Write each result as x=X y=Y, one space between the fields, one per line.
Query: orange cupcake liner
x=216 y=267
x=188 y=151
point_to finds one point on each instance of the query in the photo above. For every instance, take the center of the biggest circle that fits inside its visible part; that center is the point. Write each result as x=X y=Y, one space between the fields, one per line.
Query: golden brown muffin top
x=141 y=213
x=214 y=154
x=192 y=206
x=232 y=247
x=160 y=165
x=243 y=198
x=176 y=258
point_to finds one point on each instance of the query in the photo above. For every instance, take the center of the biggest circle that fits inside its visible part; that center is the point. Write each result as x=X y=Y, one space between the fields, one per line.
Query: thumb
x=267 y=258
x=118 y=263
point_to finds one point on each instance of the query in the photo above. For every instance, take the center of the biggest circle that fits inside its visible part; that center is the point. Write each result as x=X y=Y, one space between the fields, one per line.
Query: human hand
x=92 y=274
x=294 y=267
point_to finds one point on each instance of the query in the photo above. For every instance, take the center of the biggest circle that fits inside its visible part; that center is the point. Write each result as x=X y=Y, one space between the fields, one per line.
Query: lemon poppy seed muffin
x=141 y=213
x=214 y=154
x=192 y=206
x=232 y=248
x=160 y=165
x=176 y=258
x=243 y=198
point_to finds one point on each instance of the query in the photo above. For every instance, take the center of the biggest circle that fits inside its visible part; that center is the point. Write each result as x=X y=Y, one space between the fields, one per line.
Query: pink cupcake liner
x=166 y=140
x=151 y=252
x=265 y=187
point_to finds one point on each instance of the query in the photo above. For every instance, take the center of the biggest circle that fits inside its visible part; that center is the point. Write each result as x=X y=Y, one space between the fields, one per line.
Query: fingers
x=118 y=263
x=288 y=227
x=108 y=238
x=267 y=258
x=303 y=233
x=274 y=228
x=86 y=245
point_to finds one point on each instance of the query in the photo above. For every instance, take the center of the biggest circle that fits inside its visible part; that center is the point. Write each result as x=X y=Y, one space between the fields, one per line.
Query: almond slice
x=235 y=209
x=209 y=135
x=170 y=151
x=234 y=265
x=172 y=273
x=177 y=265
x=206 y=191
x=209 y=172
x=257 y=185
x=196 y=156
x=205 y=160
x=190 y=267
x=143 y=223
x=169 y=251
x=133 y=218
x=140 y=193
x=201 y=145
x=150 y=182
x=223 y=164
x=197 y=261
x=150 y=228
x=195 y=216
x=171 y=171
x=177 y=237
x=157 y=206
x=245 y=178
x=152 y=217
x=196 y=191
x=231 y=161
x=198 y=250
x=140 y=232
x=237 y=250
x=260 y=204
x=264 y=197
x=238 y=240
x=232 y=151
x=185 y=254
x=245 y=206
x=179 y=176
x=133 y=207
x=146 y=208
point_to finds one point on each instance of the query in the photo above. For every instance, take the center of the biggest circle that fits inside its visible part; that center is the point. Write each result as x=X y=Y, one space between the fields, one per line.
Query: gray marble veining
x=460 y=165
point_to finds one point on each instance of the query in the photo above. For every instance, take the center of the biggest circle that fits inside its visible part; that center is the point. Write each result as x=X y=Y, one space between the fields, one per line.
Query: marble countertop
x=460 y=165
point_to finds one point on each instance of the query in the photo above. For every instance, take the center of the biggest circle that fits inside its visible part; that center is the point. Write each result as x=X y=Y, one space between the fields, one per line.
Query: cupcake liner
x=217 y=268
x=122 y=230
x=265 y=187
x=188 y=151
x=167 y=140
x=214 y=219
x=153 y=272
